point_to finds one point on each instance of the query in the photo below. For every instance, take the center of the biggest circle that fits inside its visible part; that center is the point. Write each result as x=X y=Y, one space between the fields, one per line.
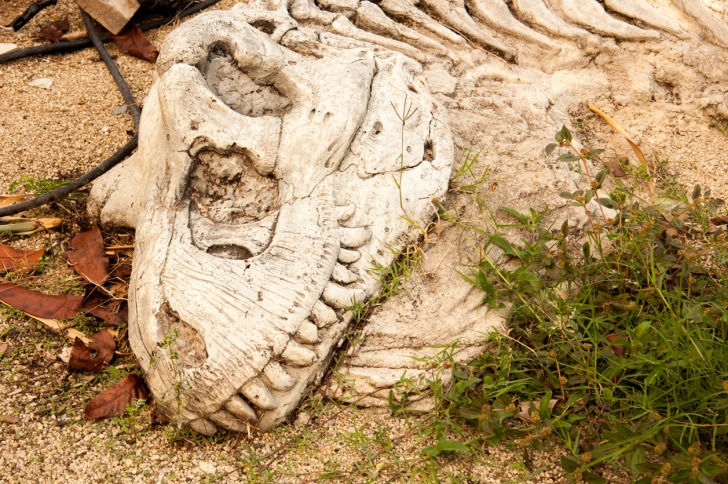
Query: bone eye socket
x=239 y=91
x=228 y=189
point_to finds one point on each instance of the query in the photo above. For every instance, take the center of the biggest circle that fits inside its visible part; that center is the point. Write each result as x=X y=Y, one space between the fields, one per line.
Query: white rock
x=7 y=47
x=207 y=467
x=42 y=82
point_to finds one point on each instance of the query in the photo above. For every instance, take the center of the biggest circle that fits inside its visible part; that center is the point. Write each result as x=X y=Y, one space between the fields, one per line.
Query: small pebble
x=207 y=467
x=42 y=82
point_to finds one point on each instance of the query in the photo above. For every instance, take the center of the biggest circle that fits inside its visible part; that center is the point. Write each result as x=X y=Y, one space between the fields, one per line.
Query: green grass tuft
x=617 y=341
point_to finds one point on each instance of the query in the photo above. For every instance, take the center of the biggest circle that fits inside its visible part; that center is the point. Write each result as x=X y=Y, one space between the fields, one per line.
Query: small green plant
x=37 y=187
x=617 y=341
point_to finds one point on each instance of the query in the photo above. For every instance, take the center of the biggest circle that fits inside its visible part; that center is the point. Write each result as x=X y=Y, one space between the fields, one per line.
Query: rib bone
x=714 y=28
x=496 y=13
x=591 y=15
x=642 y=10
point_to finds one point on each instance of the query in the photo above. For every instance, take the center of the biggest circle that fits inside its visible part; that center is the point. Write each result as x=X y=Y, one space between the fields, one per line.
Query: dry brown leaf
x=38 y=304
x=11 y=419
x=615 y=168
x=12 y=259
x=114 y=315
x=54 y=30
x=4 y=349
x=132 y=41
x=94 y=356
x=7 y=200
x=86 y=255
x=116 y=398
x=619 y=350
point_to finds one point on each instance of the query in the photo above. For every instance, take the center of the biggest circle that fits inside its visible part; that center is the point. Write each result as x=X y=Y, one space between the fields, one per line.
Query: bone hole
x=265 y=26
x=228 y=189
x=378 y=127
x=236 y=89
x=186 y=346
x=230 y=251
x=429 y=151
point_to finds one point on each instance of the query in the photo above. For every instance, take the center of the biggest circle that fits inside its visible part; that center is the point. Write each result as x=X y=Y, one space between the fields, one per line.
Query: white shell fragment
x=42 y=82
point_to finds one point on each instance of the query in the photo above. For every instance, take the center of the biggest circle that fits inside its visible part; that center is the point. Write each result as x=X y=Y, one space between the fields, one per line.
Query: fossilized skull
x=266 y=185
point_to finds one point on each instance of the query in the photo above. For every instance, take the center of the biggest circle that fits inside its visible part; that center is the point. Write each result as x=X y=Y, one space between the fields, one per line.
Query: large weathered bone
x=260 y=173
x=264 y=186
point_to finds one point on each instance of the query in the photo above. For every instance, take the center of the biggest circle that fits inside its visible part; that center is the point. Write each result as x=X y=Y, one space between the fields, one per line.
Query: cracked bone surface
x=256 y=168
x=241 y=207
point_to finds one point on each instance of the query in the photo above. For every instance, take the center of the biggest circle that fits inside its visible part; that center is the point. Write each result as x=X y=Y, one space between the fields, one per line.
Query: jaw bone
x=266 y=192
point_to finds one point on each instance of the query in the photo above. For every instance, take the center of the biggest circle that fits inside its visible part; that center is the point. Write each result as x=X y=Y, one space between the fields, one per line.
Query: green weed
x=37 y=187
x=617 y=341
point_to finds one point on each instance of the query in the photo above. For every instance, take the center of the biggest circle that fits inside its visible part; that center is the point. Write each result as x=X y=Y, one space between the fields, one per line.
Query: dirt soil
x=60 y=133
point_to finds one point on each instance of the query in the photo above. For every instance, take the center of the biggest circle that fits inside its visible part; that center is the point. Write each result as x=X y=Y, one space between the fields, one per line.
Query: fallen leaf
x=619 y=350
x=12 y=259
x=94 y=356
x=6 y=200
x=11 y=419
x=132 y=41
x=113 y=312
x=44 y=223
x=38 y=304
x=104 y=345
x=87 y=256
x=55 y=30
x=720 y=220
x=114 y=315
x=615 y=168
x=116 y=398
x=4 y=349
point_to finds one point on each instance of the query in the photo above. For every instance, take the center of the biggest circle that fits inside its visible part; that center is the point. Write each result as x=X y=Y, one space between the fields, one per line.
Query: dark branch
x=65 y=190
x=29 y=13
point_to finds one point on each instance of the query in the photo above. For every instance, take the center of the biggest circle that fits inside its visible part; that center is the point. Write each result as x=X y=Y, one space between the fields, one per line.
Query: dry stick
x=29 y=13
x=49 y=197
x=60 y=47
x=118 y=78
x=125 y=150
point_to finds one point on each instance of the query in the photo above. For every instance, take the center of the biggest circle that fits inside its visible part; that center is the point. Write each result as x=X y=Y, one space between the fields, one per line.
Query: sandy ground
x=64 y=131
